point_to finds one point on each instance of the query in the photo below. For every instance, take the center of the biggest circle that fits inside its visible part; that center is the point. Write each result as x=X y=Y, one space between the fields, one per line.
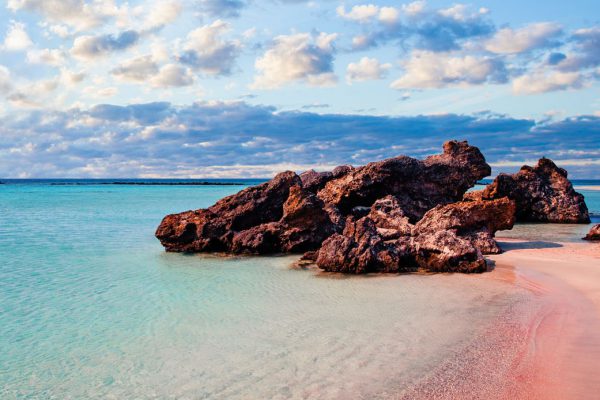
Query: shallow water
x=559 y=232
x=91 y=307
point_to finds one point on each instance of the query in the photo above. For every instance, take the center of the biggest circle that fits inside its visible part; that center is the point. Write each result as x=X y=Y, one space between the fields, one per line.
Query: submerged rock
x=594 y=233
x=542 y=194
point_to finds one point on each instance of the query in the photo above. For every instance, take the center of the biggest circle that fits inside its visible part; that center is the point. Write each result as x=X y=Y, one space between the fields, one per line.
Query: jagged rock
x=449 y=238
x=341 y=170
x=594 y=233
x=305 y=223
x=542 y=194
x=314 y=181
x=261 y=239
x=444 y=251
x=305 y=220
x=395 y=215
x=359 y=249
x=474 y=221
x=213 y=229
x=418 y=185
x=389 y=218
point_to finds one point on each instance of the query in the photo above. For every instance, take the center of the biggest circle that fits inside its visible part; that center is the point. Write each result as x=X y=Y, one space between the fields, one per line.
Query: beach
x=544 y=348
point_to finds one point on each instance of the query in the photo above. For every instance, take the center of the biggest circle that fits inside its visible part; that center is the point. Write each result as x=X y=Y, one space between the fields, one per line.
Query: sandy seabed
x=548 y=348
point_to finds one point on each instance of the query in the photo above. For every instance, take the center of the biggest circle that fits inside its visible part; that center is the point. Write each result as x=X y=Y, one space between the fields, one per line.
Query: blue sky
x=208 y=88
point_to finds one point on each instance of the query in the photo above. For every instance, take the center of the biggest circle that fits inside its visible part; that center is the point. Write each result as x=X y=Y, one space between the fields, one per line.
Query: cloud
x=206 y=50
x=366 y=69
x=16 y=38
x=586 y=52
x=427 y=69
x=54 y=57
x=533 y=36
x=221 y=8
x=301 y=57
x=77 y=14
x=162 y=13
x=139 y=69
x=542 y=82
x=89 y=47
x=360 y=13
x=413 y=25
x=212 y=139
x=5 y=80
x=173 y=75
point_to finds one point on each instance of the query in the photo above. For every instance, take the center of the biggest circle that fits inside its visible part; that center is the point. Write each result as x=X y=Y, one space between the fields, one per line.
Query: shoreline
x=547 y=347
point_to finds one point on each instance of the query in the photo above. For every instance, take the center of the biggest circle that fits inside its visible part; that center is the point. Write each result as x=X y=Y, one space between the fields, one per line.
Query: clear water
x=91 y=307
x=561 y=232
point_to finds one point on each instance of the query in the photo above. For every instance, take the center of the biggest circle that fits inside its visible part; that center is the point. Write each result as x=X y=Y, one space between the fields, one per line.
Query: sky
x=248 y=88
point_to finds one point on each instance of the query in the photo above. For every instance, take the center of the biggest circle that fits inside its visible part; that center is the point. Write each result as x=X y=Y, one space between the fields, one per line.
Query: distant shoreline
x=150 y=183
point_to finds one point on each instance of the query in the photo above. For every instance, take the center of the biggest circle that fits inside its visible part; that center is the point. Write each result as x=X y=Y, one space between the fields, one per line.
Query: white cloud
x=70 y=78
x=77 y=14
x=458 y=12
x=207 y=50
x=541 y=82
x=173 y=75
x=414 y=8
x=5 y=80
x=163 y=13
x=139 y=69
x=54 y=57
x=16 y=37
x=96 y=92
x=366 y=69
x=297 y=58
x=427 y=69
x=509 y=41
x=360 y=13
x=389 y=15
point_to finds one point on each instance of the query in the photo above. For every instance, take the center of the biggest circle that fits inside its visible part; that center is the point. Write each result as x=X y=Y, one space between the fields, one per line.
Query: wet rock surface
x=594 y=233
x=395 y=215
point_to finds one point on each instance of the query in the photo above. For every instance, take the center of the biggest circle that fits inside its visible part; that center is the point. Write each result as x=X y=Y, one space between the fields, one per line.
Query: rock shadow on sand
x=528 y=245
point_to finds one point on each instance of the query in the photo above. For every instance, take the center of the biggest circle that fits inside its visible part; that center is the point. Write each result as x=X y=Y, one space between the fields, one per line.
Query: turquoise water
x=91 y=307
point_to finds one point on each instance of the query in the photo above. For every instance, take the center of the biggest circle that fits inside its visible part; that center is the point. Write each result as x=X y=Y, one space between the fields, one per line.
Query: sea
x=91 y=307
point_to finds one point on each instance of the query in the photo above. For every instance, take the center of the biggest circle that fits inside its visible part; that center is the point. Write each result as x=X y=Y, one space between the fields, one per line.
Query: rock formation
x=542 y=193
x=450 y=237
x=395 y=215
x=294 y=213
x=594 y=233
x=418 y=185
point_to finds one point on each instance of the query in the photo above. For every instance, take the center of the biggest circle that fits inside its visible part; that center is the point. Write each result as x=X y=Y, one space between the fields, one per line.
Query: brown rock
x=542 y=194
x=314 y=181
x=594 y=233
x=305 y=223
x=418 y=185
x=213 y=229
x=360 y=250
x=444 y=251
x=389 y=218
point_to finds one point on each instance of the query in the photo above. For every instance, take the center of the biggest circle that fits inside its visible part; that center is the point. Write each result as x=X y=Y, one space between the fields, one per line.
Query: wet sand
x=547 y=347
